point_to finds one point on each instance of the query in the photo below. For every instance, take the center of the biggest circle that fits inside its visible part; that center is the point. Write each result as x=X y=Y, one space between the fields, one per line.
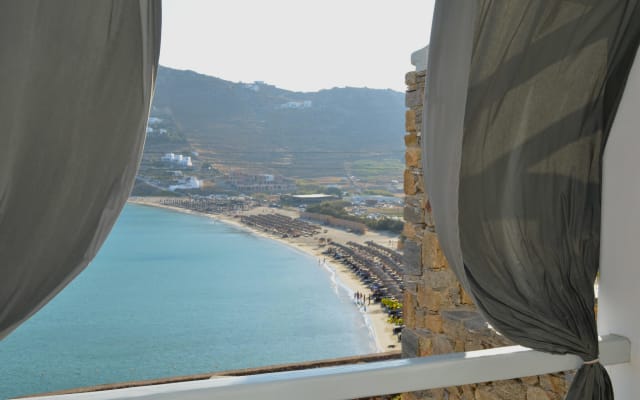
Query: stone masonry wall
x=439 y=316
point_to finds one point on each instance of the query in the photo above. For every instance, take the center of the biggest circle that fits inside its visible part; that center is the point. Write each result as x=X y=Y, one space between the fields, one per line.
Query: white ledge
x=419 y=58
x=378 y=378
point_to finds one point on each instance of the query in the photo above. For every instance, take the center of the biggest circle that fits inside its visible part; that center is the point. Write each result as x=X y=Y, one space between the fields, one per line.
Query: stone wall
x=439 y=316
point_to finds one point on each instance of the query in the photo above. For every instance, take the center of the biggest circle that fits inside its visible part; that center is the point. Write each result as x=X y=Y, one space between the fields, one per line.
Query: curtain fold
x=452 y=36
x=545 y=79
x=77 y=79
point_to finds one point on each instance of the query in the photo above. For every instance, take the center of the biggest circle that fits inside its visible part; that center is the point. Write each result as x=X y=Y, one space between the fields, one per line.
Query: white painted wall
x=619 y=303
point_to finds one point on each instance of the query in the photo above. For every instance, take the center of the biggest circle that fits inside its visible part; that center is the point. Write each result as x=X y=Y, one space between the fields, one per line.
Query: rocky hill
x=261 y=127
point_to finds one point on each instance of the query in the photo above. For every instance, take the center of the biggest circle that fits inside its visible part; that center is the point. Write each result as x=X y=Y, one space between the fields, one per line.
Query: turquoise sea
x=176 y=294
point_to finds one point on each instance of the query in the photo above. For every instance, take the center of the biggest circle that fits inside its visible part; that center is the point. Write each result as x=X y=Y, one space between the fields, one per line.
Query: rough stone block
x=420 y=185
x=473 y=345
x=485 y=394
x=421 y=315
x=411 y=78
x=553 y=383
x=411 y=139
x=419 y=395
x=429 y=298
x=409 y=231
x=418 y=110
x=409 y=343
x=438 y=394
x=412 y=281
x=502 y=391
x=432 y=255
x=409 y=307
x=464 y=296
x=412 y=258
x=413 y=157
x=410 y=121
x=413 y=215
x=439 y=279
x=452 y=297
x=410 y=96
x=416 y=342
x=529 y=380
x=414 y=201
x=466 y=323
x=433 y=322
x=414 y=98
x=461 y=392
x=425 y=343
x=413 y=183
x=467 y=392
x=454 y=393
x=408 y=396
x=536 y=393
x=453 y=329
x=510 y=390
x=442 y=344
x=428 y=221
x=411 y=285
x=469 y=320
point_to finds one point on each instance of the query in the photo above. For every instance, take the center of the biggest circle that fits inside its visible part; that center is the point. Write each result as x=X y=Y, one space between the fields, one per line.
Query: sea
x=173 y=294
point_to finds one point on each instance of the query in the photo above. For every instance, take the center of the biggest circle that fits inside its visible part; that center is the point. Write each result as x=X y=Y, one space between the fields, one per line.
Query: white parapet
x=419 y=58
x=378 y=378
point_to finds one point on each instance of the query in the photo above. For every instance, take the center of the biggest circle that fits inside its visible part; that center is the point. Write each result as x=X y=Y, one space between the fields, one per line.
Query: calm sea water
x=174 y=294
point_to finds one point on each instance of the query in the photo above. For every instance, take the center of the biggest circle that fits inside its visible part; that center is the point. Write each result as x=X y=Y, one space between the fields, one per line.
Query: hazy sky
x=297 y=44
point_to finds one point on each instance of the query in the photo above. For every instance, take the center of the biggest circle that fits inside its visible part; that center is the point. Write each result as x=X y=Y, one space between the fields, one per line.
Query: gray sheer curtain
x=76 y=81
x=545 y=79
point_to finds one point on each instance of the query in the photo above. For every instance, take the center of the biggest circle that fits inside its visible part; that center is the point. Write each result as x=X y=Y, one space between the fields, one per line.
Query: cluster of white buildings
x=190 y=182
x=151 y=128
x=297 y=104
x=264 y=183
x=178 y=159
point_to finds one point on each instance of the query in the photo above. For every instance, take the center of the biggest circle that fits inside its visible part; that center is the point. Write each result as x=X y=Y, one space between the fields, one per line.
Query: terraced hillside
x=260 y=127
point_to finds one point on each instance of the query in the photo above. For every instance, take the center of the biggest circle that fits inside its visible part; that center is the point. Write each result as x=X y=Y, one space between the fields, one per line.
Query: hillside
x=261 y=127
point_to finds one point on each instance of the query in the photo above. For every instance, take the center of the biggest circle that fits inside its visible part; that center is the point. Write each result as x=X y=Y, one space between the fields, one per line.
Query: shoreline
x=375 y=318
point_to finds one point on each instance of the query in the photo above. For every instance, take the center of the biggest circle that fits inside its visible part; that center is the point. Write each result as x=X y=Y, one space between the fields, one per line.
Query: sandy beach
x=381 y=330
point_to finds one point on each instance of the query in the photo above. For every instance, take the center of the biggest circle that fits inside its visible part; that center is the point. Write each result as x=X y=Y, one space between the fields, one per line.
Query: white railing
x=377 y=378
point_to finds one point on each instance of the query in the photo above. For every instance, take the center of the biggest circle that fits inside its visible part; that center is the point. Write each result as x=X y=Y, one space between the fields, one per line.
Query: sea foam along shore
x=374 y=316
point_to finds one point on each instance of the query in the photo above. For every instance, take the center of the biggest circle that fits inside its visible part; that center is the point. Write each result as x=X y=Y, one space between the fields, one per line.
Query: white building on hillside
x=191 y=182
x=179 y=159
x=297 y=104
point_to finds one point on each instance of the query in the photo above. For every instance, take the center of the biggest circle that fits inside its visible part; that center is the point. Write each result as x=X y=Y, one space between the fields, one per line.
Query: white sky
x=297 y=44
